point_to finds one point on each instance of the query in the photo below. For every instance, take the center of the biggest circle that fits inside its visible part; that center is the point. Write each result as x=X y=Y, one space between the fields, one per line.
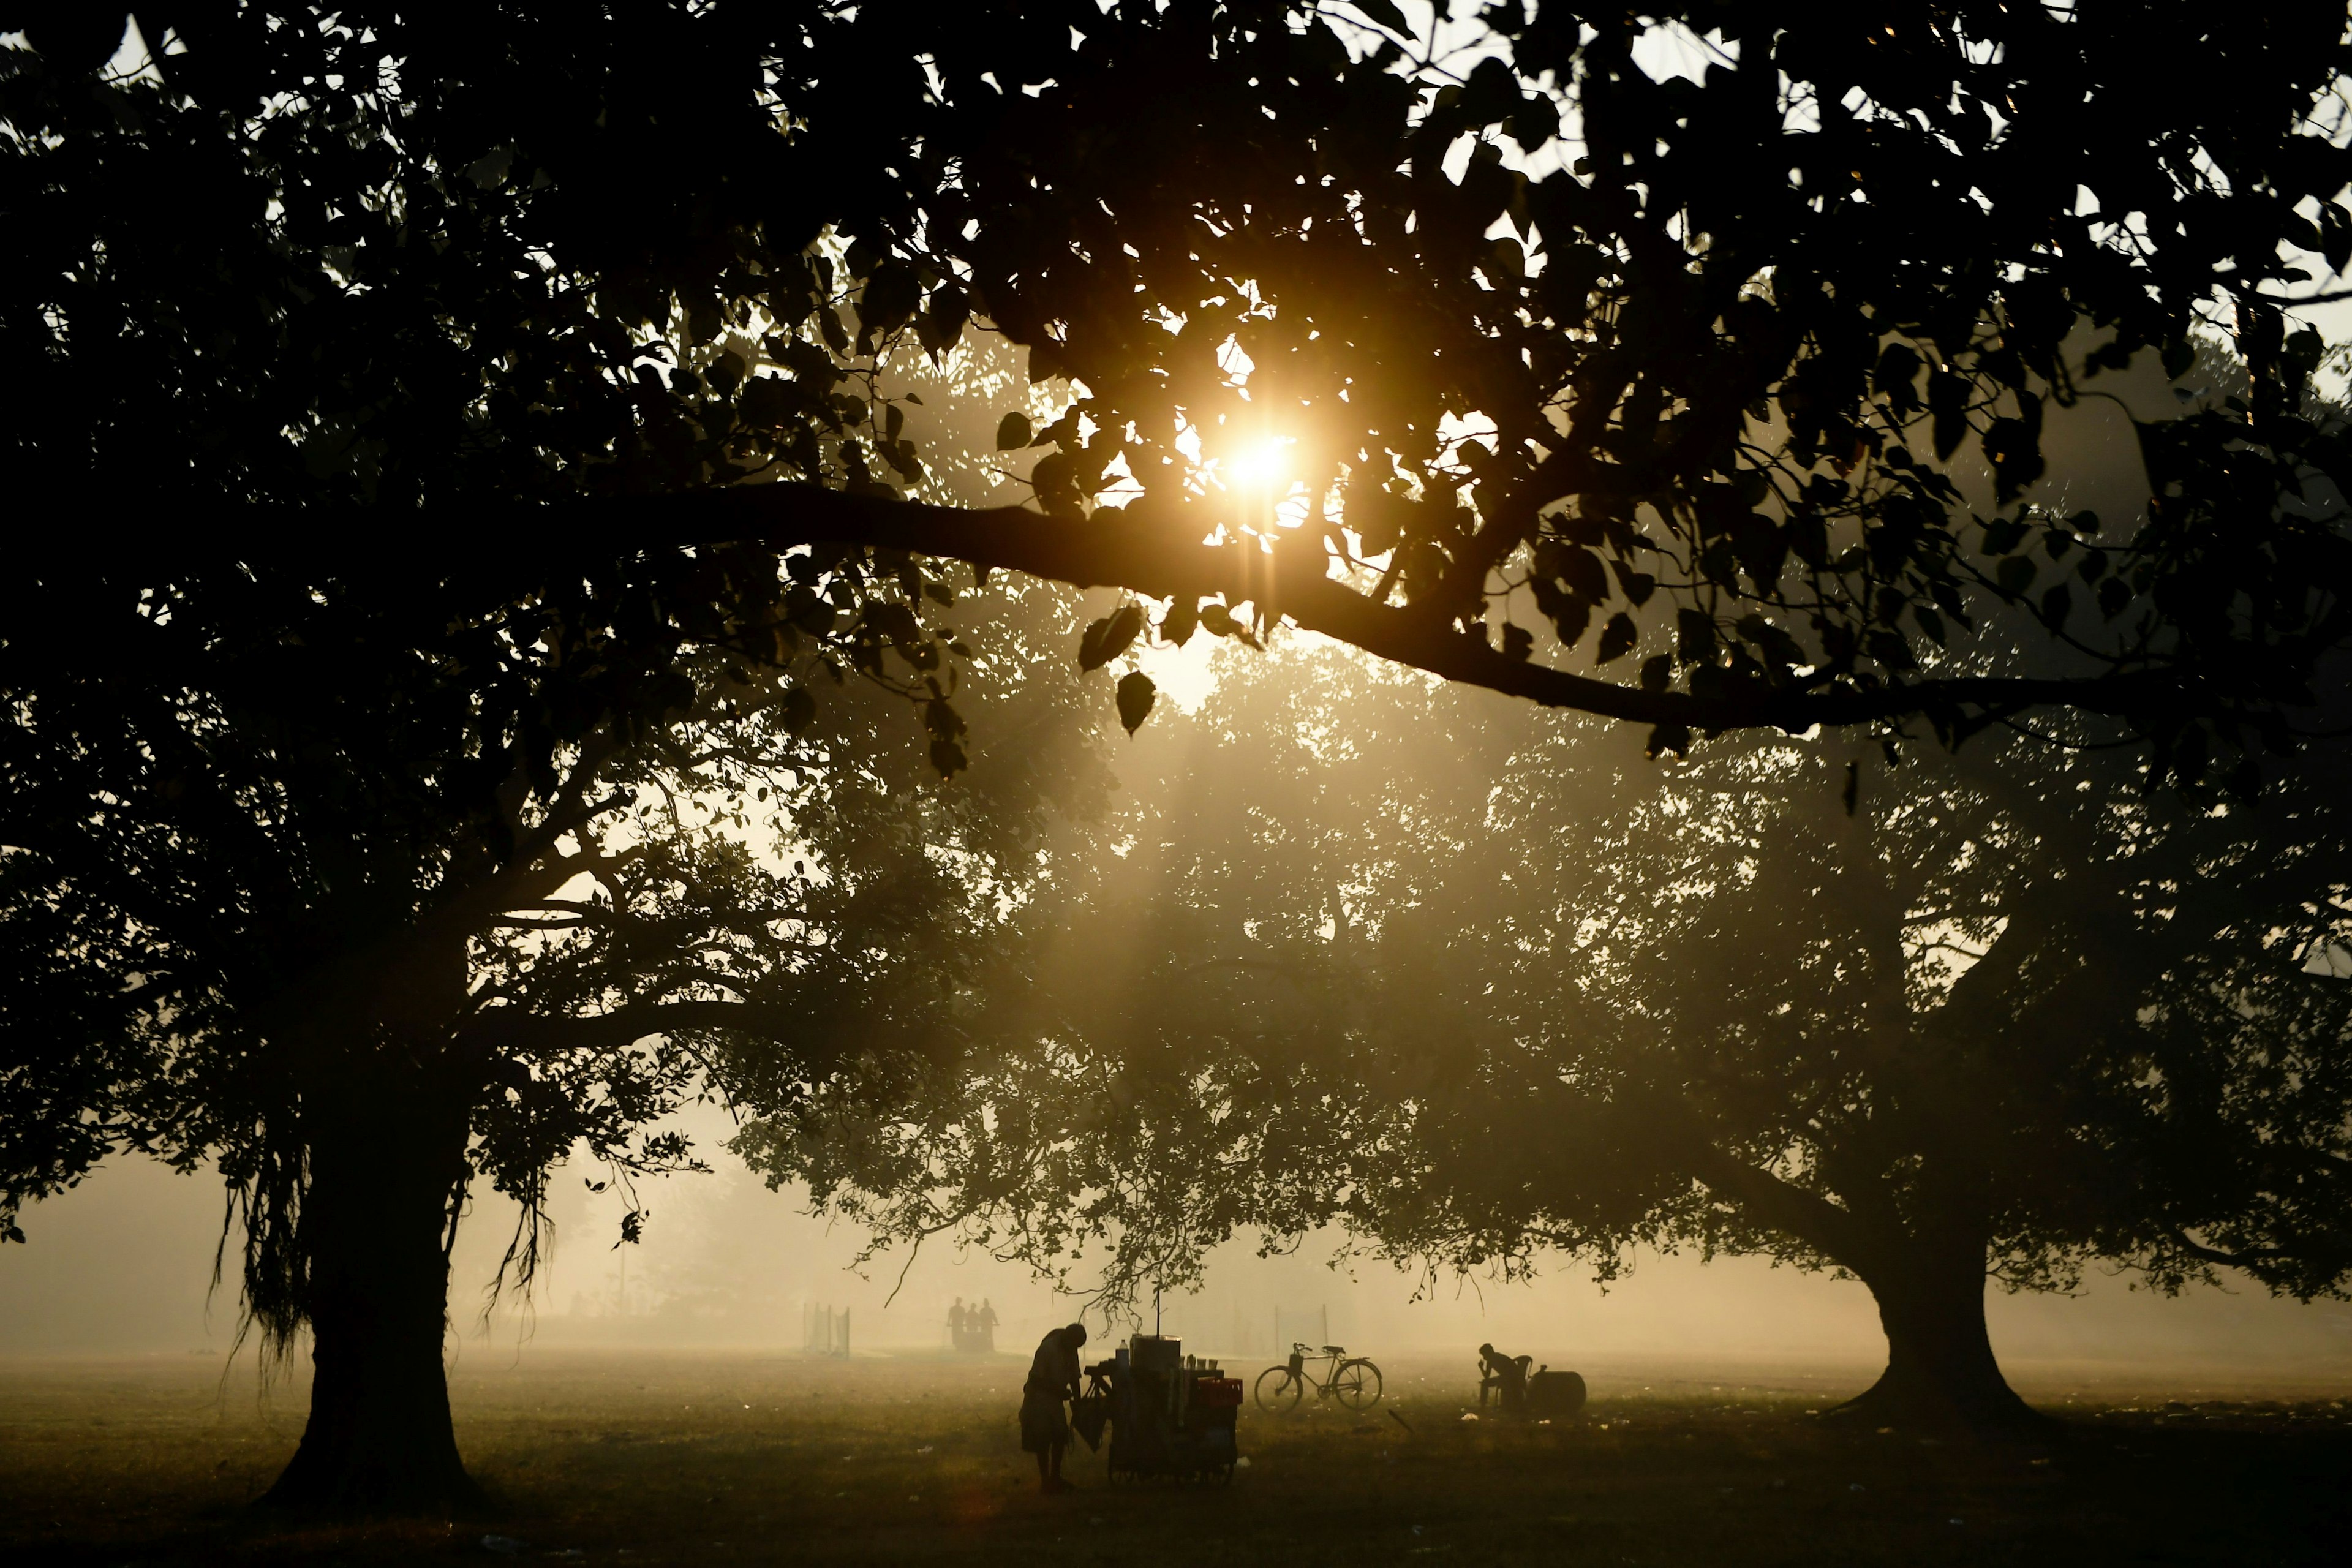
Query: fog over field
x=120 y=1265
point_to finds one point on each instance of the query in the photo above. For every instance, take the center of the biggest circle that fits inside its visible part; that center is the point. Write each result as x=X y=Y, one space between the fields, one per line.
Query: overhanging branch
x=1155 y=552
x=2244 y=1258
x=1155 y=555
x=1836 y=1232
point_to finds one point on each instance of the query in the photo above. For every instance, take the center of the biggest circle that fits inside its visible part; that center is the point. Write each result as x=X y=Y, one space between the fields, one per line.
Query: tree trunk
x=374 y=1224
x=1940 y=1369
x=1926 y=1271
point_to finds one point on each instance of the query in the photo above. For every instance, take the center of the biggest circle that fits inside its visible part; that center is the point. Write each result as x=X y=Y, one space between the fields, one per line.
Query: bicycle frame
x=1331 y=1366
x=1332 y=1381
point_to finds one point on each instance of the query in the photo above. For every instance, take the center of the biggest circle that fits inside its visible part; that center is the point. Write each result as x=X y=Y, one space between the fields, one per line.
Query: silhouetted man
x=956 y=1319
x=1508 y=1376
x=984 y=1326
x=1044 y=1425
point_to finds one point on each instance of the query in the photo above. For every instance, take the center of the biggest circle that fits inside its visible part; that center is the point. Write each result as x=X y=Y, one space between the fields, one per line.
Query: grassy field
x=635 y=1458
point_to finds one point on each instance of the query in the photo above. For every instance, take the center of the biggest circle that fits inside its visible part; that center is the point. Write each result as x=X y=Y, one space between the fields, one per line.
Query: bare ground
x=654 y=1459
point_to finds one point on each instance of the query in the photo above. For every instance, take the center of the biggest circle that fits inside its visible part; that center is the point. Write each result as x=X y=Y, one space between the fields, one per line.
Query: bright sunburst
x=1265 y=462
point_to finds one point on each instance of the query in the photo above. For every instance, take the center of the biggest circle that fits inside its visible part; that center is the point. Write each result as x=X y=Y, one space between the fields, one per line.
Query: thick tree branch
x=2246 y=1258
x=531 y=873
x=1155 y=553
x=1836 y=1232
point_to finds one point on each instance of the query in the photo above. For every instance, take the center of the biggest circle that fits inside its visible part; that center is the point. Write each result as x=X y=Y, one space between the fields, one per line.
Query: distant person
x=1506 y=1375
x=984 y=1326
x=958 y=1325
x=1044 y=1425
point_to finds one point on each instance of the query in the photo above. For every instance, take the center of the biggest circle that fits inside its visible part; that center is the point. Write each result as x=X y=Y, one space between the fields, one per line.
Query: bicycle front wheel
x=1278 y=1389
x=1358 y=1384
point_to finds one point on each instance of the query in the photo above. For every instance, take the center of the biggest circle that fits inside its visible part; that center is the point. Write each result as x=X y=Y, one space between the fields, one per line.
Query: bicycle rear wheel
x=1358 y=1383
x=1278 y=1390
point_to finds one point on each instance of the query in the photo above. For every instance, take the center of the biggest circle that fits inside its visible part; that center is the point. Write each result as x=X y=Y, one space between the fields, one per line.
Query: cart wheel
x=1358 y=1384
x=1278 y=1390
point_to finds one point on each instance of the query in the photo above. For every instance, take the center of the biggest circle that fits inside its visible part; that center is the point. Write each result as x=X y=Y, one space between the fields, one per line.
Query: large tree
x=364 y=909
x=368 y=862
x=2002 y=1019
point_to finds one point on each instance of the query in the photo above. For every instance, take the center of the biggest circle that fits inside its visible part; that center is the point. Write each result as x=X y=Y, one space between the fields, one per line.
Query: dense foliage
x=1707 y=379
x=1727 y=333
x=2011 y=1015
x=277 y=264
x=270 y=828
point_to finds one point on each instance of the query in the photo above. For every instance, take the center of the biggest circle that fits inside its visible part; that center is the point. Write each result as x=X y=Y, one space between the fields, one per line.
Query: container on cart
x=1169 y=1413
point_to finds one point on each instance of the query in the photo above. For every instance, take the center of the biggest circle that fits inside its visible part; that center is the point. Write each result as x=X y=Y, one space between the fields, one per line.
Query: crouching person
x=1044 y=1424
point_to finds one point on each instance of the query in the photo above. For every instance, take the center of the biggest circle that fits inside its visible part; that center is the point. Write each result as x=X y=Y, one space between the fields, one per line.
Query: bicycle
x=1352 y=1379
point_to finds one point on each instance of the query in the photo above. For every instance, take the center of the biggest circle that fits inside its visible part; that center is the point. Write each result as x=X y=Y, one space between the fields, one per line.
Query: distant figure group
x=972 y=1329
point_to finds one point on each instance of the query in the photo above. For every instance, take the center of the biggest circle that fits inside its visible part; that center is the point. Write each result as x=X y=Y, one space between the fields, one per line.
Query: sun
x=1260 y=463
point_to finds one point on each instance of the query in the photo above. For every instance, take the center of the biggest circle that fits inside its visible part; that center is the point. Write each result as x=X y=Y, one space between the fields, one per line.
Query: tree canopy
x=1689 y=326
x=2010 y=1018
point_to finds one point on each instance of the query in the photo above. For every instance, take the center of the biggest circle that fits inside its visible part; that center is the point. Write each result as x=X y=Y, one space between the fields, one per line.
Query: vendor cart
x=1169 y=1413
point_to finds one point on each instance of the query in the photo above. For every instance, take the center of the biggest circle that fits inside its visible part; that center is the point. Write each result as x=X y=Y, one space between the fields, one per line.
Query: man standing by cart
x=1044 y=1425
